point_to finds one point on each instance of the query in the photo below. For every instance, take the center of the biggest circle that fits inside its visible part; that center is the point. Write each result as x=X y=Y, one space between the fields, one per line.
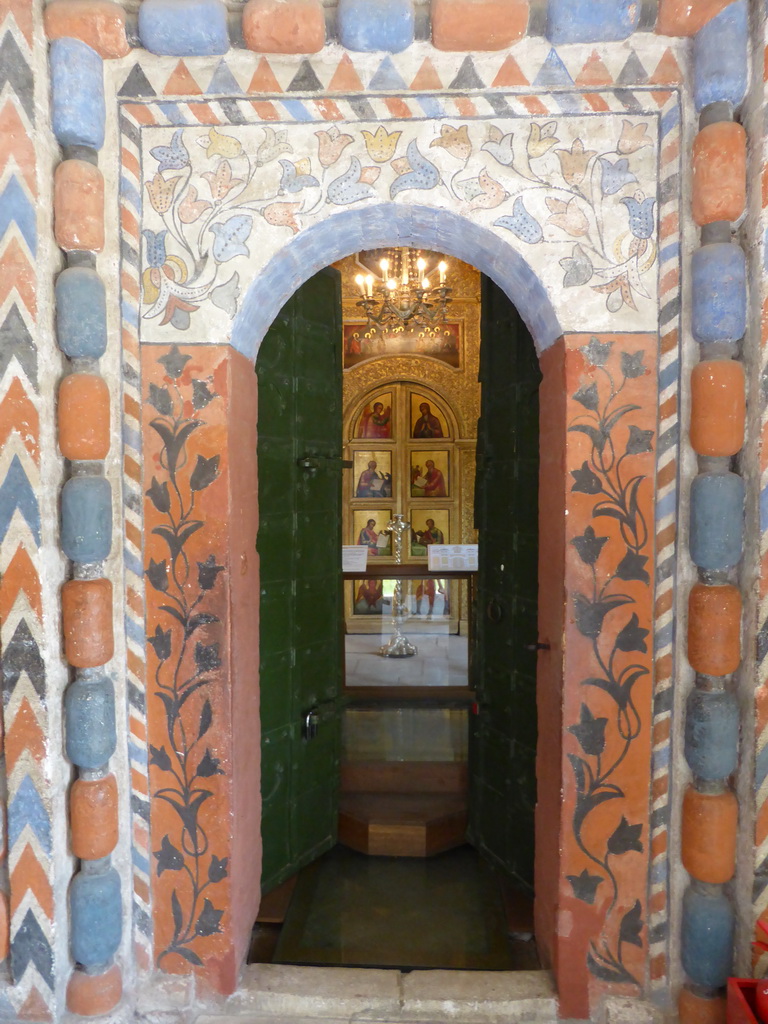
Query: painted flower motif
x=161 y=192
x=369 y=174
x=568 y=216
x=574 y=162
x=191 y=208
x=282 y=215
x=350 y=187
x=640 y=209
x=330 y=145
x=221 y=181
x=499 y=146
x=521 y=223
x=455 y=141
x=578 y=268
x=617 y=292
x=615 y=176
x=401 y=165
x=295 y=178
x=492 y=195
x=273 y=145
x=173 y=157
x=155 y=247
x=219 y=144
x=541 y=138
x=633 y=137
x=422 y=174
x=381 y=144
x=230 y=237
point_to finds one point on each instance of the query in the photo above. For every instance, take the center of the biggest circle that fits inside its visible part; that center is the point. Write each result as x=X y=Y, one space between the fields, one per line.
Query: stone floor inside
x=441 y=660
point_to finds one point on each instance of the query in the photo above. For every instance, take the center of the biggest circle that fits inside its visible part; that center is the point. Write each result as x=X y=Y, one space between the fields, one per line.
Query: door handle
x=494 y=610
x=310 y=724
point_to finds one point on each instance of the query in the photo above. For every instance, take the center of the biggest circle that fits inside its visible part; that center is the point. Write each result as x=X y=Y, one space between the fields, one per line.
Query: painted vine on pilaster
x=616 y=637
x=186 y=658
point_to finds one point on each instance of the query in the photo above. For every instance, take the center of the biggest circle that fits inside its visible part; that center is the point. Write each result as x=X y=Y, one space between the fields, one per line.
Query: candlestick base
x=398 y=647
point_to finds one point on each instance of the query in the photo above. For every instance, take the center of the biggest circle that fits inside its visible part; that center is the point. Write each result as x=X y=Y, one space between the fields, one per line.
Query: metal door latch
x=311 y=463
x=538 y=647
x=310 y=724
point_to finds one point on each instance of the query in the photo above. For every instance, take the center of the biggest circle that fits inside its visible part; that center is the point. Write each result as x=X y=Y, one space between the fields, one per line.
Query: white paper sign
x=354 y=558
x=452 y=557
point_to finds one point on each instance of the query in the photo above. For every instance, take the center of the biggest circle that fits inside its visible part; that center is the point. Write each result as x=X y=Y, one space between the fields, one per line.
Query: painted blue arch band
x=392 y=224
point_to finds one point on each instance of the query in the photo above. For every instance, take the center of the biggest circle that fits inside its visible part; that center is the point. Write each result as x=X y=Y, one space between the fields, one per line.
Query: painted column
x=95 y=986
x=710 y=809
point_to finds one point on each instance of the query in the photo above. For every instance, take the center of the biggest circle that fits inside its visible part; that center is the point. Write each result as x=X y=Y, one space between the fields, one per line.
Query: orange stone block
x=478 y=24
x=719 y=173
x=98 y=23
x=718 y=407
x=91 y=995
x=93 y=817
x=274 y=26
x=78 y=206
x=714 y=629
x=86 y=612
x=686 y=17
x=708 y=835
x=83 y=416
x=694 y=1009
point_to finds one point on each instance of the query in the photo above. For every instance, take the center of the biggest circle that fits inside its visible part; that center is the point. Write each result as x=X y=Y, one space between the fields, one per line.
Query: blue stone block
x=719 y=293
x=717 y=520
x=77 y=94
x=712 y=734
x=591 y=21
x=720 y=59
x=706 y=937
x=89 y=722
x=96 y=917
x=183 y=28
x=375 y=24
x=86 y=518
x=81 y=313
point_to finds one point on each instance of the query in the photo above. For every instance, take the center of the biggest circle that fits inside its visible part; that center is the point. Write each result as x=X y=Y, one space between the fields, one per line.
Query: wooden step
x=402 y=824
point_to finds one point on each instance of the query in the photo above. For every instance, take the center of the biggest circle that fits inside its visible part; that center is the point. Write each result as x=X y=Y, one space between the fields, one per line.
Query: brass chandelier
x=402 y=297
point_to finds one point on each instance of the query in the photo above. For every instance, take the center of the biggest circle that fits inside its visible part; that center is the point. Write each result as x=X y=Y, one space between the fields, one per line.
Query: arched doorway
x=300 y=489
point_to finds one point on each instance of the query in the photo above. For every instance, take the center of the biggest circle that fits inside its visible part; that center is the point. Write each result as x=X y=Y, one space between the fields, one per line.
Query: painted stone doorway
x=300 y=482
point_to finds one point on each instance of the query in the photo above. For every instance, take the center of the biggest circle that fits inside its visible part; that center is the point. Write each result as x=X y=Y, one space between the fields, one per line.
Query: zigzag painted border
x=147 y=109
x=25 y=718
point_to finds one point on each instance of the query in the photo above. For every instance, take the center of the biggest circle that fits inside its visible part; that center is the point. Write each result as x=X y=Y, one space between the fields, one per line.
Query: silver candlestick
x=398 y=646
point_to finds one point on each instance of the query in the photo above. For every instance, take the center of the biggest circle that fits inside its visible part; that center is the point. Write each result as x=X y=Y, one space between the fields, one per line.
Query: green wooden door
x=503 y=732
x=299 y=373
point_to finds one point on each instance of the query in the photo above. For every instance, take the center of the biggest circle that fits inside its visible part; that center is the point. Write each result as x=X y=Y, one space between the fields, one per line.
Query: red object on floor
x=741 y=1001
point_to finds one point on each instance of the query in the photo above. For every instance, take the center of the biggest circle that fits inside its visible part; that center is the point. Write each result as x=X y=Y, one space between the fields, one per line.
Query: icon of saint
x=376 y=421
x=427 y=425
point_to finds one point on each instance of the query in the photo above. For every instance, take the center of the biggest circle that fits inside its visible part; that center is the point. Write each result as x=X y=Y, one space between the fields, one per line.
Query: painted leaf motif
x=590 y=732
x=632 y=636
x=423 y=174
x=639 y=441
x=204 y=473
x=521 y=223
x=217 y=869
x=209 y=920
x=159 y=495
x=589 y=546
x=206 y=719
x=585 y=481
x=201 y=394
x=631 y=926
x=168 y=857
x=585 y=886
x=188 y=954
x=201 y=619
x=174 y=362
x=597 y=436
x=178 y=918
x=607 y=970
x=625 y=838
x=230 y=237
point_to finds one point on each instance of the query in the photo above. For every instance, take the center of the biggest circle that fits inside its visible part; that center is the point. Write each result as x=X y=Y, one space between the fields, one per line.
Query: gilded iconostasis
x=411 y=404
